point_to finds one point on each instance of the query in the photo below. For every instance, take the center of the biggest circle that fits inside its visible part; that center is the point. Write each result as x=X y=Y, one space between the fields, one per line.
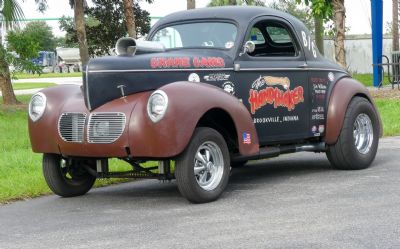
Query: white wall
x=358 y=53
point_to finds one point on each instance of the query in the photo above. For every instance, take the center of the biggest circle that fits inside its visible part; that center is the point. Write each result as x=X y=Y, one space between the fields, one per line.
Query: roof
x=240 y=14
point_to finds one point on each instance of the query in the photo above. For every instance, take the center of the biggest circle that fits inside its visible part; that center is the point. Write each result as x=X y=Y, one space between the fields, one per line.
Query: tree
x=332 y=10
x=291 y=7
x=191 y=4
x=236 y=2
x=79 y=21
x=129 y=18
x=105 y=24
x=395 y=25
x=37 y=31
x=11 y=12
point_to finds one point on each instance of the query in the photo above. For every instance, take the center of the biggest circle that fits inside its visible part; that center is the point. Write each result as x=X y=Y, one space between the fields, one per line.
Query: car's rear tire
x=357 y=144
x=202 y=170
x=66 y=178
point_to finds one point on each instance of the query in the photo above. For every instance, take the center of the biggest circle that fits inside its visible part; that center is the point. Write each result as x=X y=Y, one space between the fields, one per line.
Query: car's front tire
x=202 y=170
x=66 y=178
x=357 y=144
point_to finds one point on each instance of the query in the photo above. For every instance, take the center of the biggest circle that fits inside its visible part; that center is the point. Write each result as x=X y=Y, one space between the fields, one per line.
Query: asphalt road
x=295 y=201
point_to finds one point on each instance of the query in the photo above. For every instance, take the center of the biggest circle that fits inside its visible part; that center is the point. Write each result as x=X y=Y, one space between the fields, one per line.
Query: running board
x=274 y=151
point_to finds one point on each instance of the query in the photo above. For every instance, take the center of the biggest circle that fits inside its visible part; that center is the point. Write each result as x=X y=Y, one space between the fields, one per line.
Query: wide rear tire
x=202 y=170
x=357 y=144
x=66 y=179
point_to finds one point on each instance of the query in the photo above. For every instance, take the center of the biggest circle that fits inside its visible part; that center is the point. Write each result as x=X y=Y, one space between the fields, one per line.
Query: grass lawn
x=21 y=171
x=23 y=85
x=47 y=75
x=367 y=79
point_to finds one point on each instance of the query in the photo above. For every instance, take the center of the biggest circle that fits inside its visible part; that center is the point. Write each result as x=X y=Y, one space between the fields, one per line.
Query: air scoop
x=128 y=46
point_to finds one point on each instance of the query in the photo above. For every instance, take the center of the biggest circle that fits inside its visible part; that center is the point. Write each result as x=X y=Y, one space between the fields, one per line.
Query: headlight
x=157 y=105
x=37 y=106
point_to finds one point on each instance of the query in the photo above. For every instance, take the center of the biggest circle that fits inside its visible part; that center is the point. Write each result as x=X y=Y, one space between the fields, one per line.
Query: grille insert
x=71 y=126
x=105 y=127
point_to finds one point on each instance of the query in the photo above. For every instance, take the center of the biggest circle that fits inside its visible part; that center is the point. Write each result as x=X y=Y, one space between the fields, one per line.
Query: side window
x=272 y=39
x=256 y=36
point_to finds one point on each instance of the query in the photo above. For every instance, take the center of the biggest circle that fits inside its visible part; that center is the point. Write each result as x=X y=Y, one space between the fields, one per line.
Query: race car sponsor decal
x=272 y=95
x=194 y=77
x=271 y=81
x=186 y=62
x=246 y=138
x=229 y=87
x=318 y=113
x=170 y=62
x=276 y=119
x=216 y=77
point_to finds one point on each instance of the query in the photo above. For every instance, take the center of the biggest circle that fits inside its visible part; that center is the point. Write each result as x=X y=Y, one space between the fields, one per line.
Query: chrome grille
x=71 y=126
x=105 y=127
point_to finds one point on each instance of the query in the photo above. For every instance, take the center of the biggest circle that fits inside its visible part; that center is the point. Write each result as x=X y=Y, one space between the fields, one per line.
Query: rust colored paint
x=188 y=102
x=342 y=93
x=169 y=137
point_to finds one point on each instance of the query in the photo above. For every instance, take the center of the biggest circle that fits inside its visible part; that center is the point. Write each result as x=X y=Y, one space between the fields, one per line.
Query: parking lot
x=294 y=201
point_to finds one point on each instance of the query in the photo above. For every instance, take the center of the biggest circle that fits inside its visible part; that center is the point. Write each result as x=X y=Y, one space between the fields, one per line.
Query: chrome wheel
x=208 y=165
x=363 y=133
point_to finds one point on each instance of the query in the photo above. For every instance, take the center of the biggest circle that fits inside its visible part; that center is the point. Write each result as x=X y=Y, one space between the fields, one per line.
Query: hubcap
x=208 y=165
x=363 y=133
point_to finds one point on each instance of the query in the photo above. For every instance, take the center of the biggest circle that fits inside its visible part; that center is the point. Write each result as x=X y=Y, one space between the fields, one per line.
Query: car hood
x=113 y=77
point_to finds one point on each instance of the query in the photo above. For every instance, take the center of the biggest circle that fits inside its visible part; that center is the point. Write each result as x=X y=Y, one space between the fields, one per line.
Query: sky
x=358 y=12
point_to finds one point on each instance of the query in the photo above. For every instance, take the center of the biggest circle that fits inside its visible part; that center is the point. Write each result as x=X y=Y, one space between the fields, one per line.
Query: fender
x=188 y=102
x=343 y=91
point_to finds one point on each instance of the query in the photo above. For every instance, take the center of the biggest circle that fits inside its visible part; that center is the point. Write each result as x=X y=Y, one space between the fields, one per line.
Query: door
x=272 y=81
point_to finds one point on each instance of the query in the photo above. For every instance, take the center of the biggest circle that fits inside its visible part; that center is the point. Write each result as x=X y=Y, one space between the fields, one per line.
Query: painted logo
x=271 y=81
x=331 y=77
x=216 y=77
x=186 y=62
x=272 y=95
x=246 y=138
x=229 y=87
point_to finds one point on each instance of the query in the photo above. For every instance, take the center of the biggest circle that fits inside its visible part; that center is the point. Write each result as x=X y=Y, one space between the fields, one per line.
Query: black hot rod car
x=208 y=90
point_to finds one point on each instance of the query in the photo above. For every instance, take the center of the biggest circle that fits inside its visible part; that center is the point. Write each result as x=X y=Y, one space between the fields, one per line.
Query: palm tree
x=395 y=24
x=339 y=18
x=191 y=4
x=129 y=18
x=79 y=20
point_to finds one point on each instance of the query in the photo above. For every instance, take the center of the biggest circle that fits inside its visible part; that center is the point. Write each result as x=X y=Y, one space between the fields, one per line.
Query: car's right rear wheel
x=357 y=144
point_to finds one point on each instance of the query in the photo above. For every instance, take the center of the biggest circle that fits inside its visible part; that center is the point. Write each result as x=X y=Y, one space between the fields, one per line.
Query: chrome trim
x=161 y=70
x=74 y=131
x=165 y=96
x=116 y=122
x=30 y=105
x=363 y=133
x=87 y=86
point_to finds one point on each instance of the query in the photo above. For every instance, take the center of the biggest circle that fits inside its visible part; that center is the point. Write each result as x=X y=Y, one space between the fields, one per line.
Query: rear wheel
x=202 y=170
x=66 y=178
x=357 y=144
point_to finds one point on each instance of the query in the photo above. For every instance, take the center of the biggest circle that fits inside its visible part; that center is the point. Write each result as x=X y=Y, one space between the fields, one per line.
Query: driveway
x=294 y=201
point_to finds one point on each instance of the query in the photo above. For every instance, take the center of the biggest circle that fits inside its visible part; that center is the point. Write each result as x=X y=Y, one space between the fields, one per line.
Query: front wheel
x=357 y=144
x=66 y=177
x=202 y=170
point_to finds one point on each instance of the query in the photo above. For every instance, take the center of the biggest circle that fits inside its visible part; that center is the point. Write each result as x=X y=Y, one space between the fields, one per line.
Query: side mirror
x=248 y=48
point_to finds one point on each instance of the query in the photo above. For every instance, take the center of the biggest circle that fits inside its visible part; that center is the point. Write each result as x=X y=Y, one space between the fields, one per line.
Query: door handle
x=305 y=65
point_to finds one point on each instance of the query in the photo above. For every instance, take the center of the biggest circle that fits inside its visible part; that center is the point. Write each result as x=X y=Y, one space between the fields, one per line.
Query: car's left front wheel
x=66 y=177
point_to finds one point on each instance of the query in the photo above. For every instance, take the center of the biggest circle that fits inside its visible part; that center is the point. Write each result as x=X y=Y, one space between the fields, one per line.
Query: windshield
x=194 y=35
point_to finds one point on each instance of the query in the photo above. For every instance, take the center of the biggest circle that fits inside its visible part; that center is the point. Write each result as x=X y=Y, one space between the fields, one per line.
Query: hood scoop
x=128 y=46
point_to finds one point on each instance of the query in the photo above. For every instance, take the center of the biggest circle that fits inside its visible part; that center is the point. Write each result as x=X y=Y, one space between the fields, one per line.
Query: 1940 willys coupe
x=208 y=90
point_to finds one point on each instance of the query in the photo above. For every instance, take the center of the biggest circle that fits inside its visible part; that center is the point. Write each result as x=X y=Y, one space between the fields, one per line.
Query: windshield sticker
x=216 y=77
x=229 y=87
x=272 y=95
